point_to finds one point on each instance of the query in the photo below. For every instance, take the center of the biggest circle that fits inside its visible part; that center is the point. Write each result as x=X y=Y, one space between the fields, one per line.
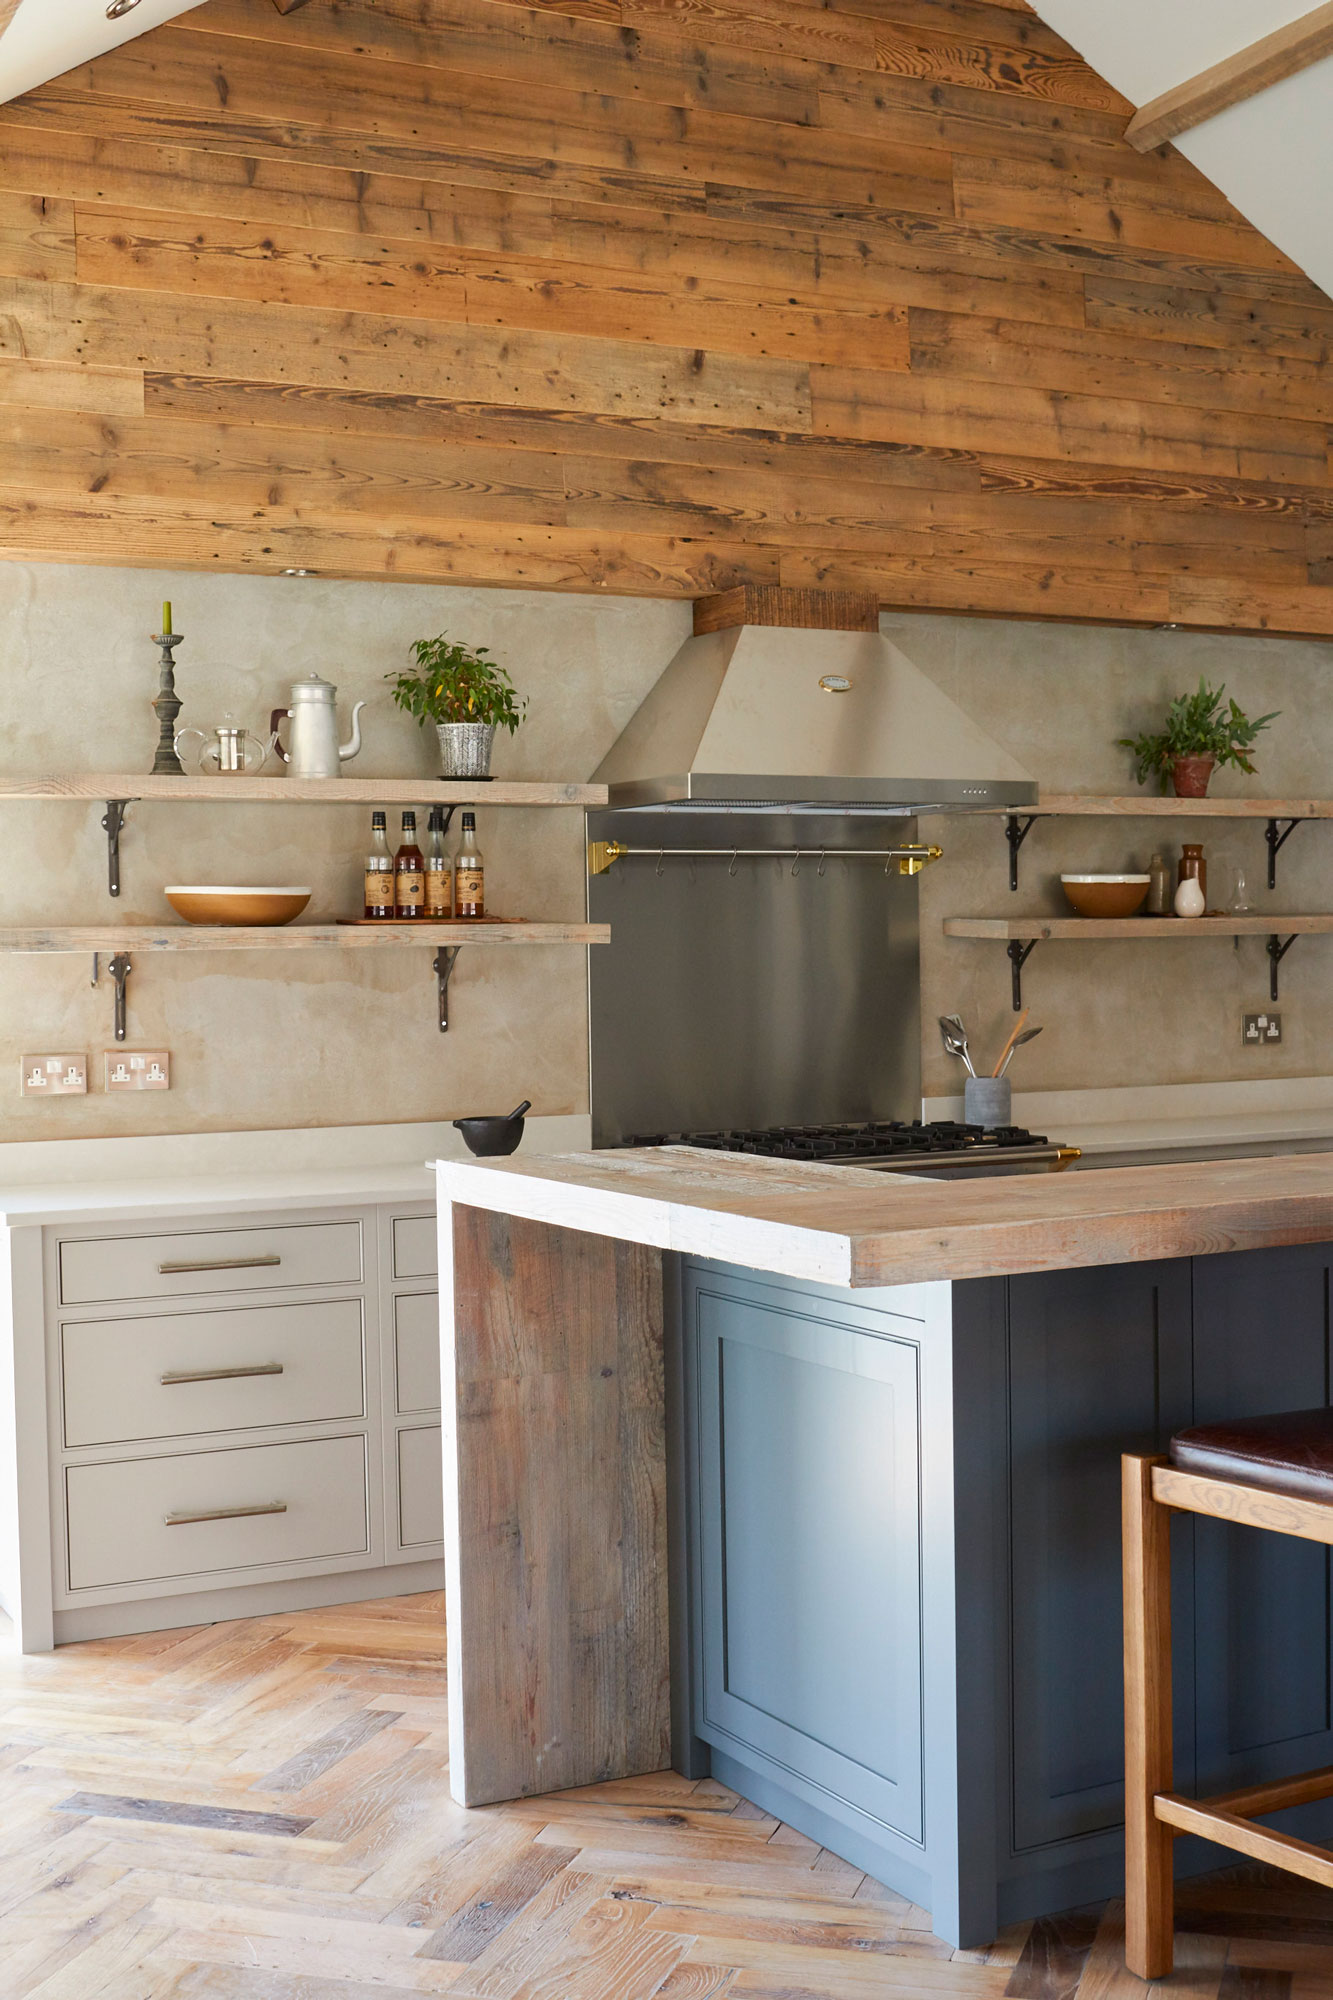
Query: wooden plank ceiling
x=654 y=296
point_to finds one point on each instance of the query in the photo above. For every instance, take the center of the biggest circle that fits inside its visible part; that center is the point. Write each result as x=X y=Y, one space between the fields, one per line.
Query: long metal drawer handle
x=224 y=1514
x=176 y=1375
x=220 y=1264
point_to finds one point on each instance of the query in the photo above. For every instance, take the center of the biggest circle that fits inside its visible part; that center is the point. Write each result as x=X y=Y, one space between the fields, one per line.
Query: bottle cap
x=437 y=819
x=378 y=819
x=469 y=822
x=409 y=822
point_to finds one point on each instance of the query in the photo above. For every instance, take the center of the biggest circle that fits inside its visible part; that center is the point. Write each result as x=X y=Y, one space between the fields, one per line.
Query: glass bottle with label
x=409 y=874
x=439 y=870
x=379 y=872
x=469 y=873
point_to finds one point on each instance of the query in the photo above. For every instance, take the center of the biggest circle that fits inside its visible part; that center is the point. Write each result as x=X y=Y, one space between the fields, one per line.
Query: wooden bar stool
x=1274 y=1473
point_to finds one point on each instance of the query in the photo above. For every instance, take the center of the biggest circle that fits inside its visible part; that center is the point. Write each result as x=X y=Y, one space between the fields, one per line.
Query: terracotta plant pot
x=1190 y=775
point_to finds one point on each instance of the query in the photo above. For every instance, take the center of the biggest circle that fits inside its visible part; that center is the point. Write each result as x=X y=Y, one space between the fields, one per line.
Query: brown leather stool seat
x=1291 y=1453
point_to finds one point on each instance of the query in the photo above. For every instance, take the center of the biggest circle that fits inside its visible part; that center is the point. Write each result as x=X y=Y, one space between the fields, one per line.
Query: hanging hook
x=661 y=857
x=731 y=869
x=796 y=864
x=822 y=859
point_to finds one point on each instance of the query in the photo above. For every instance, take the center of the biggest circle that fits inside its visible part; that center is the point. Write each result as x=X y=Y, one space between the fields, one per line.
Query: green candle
x=166 y=621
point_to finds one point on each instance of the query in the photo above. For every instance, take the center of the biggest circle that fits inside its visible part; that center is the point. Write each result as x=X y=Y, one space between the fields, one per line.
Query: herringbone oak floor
x=258 y=1811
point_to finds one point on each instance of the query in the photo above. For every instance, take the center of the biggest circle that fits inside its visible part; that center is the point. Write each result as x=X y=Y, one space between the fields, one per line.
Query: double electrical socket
x=55 y=1076
x=137 y=1069
x=1261 y=1030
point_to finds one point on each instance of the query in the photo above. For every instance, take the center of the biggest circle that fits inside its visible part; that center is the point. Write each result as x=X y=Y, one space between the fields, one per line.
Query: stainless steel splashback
x=752 y=990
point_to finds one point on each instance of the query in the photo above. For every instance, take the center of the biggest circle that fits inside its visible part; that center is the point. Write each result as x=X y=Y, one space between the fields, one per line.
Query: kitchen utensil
x=1107 y=895
x=1008 y=1048
x=1028 y=1035
x=227 y=751
x=987 y=1101
x=490 y=1137
x=954 y=1035
x=209 y=904
x=314 y=750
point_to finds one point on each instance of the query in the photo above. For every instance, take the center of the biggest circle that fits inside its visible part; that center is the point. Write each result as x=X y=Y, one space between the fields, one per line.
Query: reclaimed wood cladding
x=653 y=296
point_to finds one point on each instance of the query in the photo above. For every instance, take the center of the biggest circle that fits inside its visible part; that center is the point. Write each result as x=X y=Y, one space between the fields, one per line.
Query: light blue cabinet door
x=810 y=1534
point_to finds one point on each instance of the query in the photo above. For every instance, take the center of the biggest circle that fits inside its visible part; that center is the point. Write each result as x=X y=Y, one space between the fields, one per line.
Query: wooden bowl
x=212 y=905
x=1107 y=895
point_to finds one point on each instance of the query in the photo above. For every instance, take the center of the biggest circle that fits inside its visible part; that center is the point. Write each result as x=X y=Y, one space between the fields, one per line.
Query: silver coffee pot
x=313 y=749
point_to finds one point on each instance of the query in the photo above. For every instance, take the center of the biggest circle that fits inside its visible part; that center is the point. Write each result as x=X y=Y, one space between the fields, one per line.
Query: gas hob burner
x=885 y=1145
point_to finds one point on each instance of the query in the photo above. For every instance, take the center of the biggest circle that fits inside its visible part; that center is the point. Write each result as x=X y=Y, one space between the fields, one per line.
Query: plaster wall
x=298 y=1039
x=260 y=1042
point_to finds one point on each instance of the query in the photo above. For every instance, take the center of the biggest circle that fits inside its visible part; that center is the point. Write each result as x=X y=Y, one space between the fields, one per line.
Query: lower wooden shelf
x=1021 y=935
x=116 y=938
x=117 y=941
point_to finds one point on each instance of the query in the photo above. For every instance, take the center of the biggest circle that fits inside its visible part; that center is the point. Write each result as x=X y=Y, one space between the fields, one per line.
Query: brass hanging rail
x=603 y=854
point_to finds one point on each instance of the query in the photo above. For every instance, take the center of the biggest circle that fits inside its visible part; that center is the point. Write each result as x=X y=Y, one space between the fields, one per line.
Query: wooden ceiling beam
x=1243 y=75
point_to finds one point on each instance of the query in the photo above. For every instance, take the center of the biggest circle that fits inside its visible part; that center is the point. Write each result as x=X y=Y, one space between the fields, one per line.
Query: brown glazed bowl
x=1106 y=895
x=206 y=904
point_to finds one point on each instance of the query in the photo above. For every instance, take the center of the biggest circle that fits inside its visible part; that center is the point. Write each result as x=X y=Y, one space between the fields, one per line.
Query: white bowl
x=212 y=903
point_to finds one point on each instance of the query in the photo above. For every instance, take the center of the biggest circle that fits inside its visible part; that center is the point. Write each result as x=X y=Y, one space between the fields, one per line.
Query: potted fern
x=466 y=695
x=1199 y=734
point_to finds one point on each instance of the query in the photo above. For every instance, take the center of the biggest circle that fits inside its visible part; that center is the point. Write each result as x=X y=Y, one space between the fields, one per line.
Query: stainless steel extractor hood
x=784 y=719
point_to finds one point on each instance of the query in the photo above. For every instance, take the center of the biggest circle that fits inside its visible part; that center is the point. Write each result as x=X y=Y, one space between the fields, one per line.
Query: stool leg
x=1149 y=1884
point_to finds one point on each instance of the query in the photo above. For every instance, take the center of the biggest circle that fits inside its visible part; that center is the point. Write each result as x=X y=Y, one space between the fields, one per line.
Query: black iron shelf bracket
x=1277 y=951
x=1275 y=841
x=120 y=968
x=1016 y=831
x=442 y=965
x=113 y=820
x=1019 y=954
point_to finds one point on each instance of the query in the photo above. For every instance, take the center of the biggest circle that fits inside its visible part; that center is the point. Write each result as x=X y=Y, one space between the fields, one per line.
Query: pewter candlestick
x=167 y=707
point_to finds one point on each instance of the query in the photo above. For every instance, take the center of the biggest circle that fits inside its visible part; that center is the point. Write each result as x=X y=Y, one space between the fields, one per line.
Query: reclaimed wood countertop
x=855 y=1227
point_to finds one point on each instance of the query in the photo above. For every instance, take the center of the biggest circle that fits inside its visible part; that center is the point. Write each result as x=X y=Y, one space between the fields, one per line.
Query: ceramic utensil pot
x=490 y=1137
x=225 y=752
x=313 y=749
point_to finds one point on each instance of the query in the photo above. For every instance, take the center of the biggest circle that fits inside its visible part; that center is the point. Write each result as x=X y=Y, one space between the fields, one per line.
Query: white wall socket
x=137 y=1069
x=55 y=1076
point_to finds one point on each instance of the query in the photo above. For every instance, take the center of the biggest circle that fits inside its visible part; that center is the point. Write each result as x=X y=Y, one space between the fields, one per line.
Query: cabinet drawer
x=118 y=1514
x=97 y=1270
x=420 y=1487
x=164 y=1376
x=416 y=1340
x=414 y=1250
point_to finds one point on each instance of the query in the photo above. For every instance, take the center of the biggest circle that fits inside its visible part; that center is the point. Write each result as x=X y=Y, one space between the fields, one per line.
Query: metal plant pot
x=465 y=749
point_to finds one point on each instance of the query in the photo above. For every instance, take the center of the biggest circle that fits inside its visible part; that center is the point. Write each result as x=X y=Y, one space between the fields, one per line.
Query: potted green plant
x=466 y=695
x=1199 y=735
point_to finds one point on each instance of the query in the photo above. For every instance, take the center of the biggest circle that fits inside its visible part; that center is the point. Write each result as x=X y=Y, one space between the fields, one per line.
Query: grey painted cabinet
x=901 y=1534
x=810 y=1562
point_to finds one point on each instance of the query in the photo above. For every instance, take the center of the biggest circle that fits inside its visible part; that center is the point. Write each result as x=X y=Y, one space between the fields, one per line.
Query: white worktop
x=216 y=1173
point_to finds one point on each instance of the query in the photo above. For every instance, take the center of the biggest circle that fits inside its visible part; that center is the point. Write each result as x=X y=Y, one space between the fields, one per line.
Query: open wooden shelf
x=1021 y=935
x=1145 y=806
x=278 y=790
x=1282 y=816
x=1135 y=927
x=293 y=937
